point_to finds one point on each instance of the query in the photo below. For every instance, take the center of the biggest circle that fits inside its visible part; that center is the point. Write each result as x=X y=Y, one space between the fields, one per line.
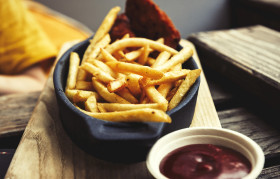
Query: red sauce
x=203 y=161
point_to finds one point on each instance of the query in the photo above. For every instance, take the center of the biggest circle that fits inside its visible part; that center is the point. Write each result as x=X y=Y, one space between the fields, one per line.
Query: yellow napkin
x=22 y=41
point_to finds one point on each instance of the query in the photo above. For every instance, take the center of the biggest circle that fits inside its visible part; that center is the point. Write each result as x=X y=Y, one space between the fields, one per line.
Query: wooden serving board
x=45 y=150
x=247 y=56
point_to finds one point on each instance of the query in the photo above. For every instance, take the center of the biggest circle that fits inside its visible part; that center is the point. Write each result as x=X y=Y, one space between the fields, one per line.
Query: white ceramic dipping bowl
x=206 y=135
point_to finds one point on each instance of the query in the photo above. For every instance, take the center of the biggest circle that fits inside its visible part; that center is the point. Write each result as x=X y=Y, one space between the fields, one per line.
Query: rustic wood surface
x=248 y=56
x=45 y=151
x=15 y=112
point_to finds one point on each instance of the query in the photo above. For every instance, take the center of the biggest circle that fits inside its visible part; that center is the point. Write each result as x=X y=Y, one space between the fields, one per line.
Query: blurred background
x=188 y=15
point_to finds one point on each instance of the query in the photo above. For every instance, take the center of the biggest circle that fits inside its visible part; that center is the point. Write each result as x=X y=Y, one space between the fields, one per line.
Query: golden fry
x=125 y=93
x=111 y=107
x=104 y=93
x=156 y=97
x=104 y=67
x=167 y=78
x=133 y=55
x=179 y=58
x=139 y=42
x=107 y=57
x=184 y=88
x=84 y=85
x=106 y=24
x=137 y=69
x=161 y=59
x=73 y=70
x=91 y=104
x=96 y=49
x=100 y=108
x=132 y=81
x=116 y=84
x=144 y=56
x=97 y=72
x=164 y=89
x=135 y=115
x=82 y=96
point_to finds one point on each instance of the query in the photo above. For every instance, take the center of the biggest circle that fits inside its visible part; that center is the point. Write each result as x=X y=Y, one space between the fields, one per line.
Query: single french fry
x=150 y=61
x=111 y=107
x=137 y=69
x=91 y=104
x=82 y=75
x=144 y=55
x=132 y=81
x=119 y=55
x=100 y=108
x=156 y=97
x=96 y=49
x=184 y=88
x=73 y=70
x=164 y=89
x=126 y=36
x=139 y=42
x=126 y=94
x=97 y=72
x=82 y=96
x=161 y=59
x=135 y=115
x=106 y=24
x=168 y=77
x=106 y=56
x=105 y=94
x=70 y=93
x=84 y=85
x=178 y=58
x=133 y=55
x=117 y=84
x=104 y=67
x=174 y=89
x=160 y=40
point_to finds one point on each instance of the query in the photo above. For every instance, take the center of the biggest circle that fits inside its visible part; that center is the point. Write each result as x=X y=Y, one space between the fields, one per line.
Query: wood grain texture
x=262 y=131
x=45 y=151
x=15 y=112
x=205 y=114
x=247 y=56
x=270 y=173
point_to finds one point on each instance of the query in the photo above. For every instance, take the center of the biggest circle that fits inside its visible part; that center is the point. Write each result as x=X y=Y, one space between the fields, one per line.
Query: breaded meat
x=120 y=28
x=148 y=20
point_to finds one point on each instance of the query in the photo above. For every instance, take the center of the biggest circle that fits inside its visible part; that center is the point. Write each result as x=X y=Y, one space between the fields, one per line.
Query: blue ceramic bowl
x=116 y=141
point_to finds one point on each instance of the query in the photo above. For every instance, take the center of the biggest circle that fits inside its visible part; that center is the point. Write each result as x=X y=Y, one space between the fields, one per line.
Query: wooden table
x=45 y=151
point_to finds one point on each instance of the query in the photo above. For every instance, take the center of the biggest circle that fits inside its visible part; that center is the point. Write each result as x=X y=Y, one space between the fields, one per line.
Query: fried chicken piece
x=148 y=20
x=120 y=28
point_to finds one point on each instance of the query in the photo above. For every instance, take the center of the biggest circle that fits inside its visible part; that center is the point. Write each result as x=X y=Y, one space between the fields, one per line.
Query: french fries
x=73 y=70
x=124 y=81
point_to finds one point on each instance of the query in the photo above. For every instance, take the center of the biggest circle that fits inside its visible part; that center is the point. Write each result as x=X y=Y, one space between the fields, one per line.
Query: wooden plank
x=45 y=151
x=257 y=127
x=247 y=56
x=270 y=173
x=15 y=112
x=204 y=115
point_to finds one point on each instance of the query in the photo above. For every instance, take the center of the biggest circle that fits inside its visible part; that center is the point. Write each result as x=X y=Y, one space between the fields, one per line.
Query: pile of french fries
x=122 y=82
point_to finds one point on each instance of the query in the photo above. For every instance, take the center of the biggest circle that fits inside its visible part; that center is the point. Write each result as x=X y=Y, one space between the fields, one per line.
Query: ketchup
x=204 y=161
